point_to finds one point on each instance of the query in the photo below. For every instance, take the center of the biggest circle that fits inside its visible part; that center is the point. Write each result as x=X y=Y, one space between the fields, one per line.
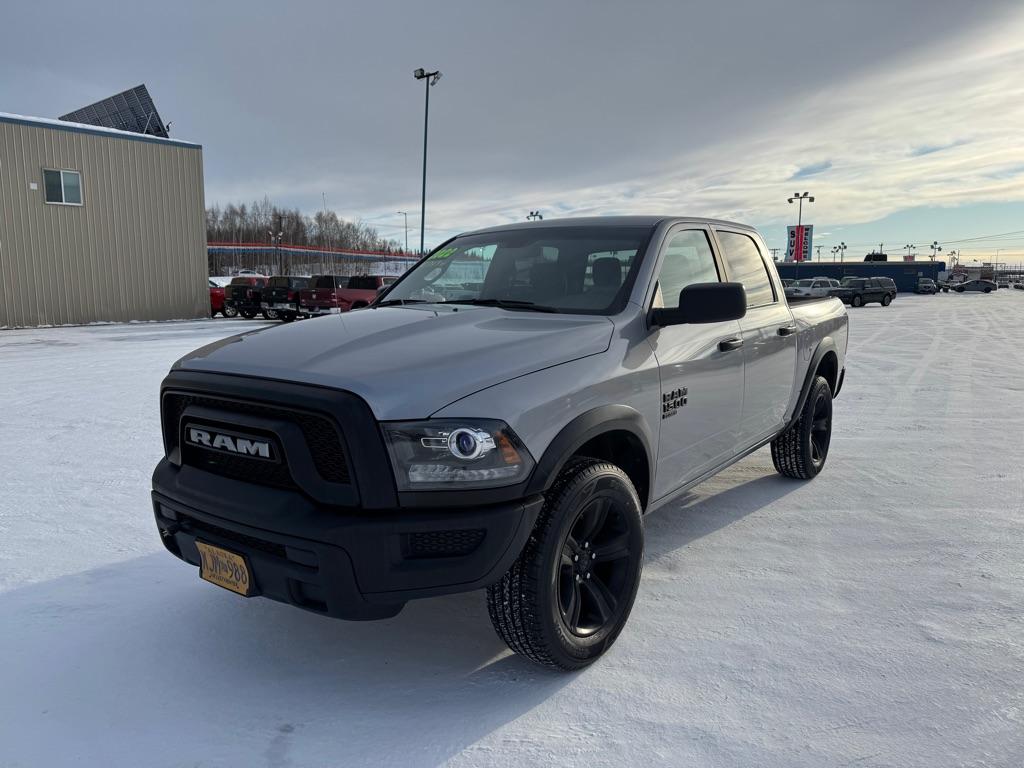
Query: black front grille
x=319 y=432
x=238 y=467
x=427 y=544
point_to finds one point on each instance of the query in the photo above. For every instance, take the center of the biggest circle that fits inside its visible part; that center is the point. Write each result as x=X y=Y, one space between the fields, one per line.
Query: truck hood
x=408 y=362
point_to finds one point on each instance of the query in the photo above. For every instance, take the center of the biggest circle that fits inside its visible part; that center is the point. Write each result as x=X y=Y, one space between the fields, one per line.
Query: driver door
x=701 y=368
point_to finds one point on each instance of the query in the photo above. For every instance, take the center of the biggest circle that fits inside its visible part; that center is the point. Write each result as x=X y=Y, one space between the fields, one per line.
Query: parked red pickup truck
x=331 y=294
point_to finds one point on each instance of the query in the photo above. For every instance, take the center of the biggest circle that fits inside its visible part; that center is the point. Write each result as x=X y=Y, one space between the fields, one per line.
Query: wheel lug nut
x=588 y=574
x=593 y=555
x=577 y=577
x=586 y=545
x=575 y=558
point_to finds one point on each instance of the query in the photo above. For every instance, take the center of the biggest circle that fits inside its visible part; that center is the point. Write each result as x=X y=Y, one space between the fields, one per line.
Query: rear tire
x=567 y=597
x=270 y=314
x=886 y=300
x=800 y=452
x=856 y=301
x=229 y=312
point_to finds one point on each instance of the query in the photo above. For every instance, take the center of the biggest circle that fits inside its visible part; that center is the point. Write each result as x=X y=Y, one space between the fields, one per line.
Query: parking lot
x=872 y=616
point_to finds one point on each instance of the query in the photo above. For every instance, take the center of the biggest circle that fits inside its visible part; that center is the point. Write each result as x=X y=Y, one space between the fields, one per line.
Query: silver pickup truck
x=502 y=417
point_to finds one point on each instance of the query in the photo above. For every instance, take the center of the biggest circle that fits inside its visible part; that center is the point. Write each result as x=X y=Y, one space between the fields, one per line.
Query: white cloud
x=940 y=129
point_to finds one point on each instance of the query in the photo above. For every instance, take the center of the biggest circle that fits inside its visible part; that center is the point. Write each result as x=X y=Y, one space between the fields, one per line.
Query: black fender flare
x=582 y=429
x=825 y=346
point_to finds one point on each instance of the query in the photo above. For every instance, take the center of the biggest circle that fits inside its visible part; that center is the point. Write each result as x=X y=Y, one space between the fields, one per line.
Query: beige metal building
x=98 y=224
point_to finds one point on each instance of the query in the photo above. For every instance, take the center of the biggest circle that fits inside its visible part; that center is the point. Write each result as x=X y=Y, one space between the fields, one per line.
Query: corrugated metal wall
x=136 y=248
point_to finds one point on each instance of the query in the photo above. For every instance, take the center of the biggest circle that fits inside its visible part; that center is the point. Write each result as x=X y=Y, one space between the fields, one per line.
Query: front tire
x=800 y=452
x=229 y=311
x=567 y=597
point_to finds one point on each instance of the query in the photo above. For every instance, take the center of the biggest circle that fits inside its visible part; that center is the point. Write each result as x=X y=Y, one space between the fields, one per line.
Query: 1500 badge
x=673 y=401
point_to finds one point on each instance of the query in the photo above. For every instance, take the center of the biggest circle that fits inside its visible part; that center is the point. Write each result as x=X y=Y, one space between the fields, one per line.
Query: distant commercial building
x=98 y=224
x=904 y=273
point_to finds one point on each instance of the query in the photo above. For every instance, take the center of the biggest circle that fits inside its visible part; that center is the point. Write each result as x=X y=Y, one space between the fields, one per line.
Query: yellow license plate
x=225 y=569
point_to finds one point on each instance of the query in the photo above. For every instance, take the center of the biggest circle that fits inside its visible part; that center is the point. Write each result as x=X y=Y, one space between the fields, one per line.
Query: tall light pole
x=819 y=247
x=842 y=251
x=406 y=229
x=908 y=248
x=936 y=248
x=429 y=78
x=835 y=250
x=800 y=197
x=535 y=216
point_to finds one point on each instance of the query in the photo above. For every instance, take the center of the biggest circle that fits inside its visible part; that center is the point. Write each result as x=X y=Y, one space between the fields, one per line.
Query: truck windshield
x=578 y=270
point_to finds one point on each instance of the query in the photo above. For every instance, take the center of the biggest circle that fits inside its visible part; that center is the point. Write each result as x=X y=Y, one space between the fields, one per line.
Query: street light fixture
x=406 y=215
x=535 y=216
x=842 y=251
x=908 y=248
x=429 y=79
x=936 y=248
x=800 y=197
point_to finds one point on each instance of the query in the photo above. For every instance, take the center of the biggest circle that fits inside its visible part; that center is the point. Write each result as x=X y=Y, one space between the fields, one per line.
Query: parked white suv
x=815 y=287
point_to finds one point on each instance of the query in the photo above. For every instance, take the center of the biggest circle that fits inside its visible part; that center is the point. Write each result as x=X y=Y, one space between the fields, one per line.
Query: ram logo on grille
x=229 y=442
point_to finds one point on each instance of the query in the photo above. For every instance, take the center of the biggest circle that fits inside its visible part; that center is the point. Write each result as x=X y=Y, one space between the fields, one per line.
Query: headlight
x=455 y=454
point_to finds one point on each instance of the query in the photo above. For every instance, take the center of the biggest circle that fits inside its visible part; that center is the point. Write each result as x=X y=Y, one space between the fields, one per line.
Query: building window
x=62 y=187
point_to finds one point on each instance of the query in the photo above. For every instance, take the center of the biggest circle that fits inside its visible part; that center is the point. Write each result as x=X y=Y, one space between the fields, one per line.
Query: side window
x=746 y=266
x=688 y=260
x=62 y=187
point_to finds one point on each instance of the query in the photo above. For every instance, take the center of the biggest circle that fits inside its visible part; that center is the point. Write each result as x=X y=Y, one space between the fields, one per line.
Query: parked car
x=1019 y=285
x=282 y=296
x=216 y=298
x=858 y=291
x=321 y=297
x=244 y=295
x=512 y=440
x=926 y=285
x=816 y=287
x=329 y=294
x=979 y=285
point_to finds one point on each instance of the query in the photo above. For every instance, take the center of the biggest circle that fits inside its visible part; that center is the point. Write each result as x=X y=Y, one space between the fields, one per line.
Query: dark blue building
x=904 y=273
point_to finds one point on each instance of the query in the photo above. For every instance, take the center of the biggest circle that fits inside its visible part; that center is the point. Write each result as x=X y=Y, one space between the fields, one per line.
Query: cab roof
x=607 y=221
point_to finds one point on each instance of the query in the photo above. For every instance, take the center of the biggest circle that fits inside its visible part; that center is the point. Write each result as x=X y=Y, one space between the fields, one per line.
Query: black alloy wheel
x=856 y=301
x=821 y=427
x=568 y=595
x=800 y=452
x=593 y=576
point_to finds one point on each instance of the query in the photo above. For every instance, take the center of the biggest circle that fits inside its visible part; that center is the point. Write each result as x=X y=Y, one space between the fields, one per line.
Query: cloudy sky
x=903 y=117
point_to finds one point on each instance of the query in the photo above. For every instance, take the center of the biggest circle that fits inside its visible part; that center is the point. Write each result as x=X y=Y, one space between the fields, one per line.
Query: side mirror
x=704 y=303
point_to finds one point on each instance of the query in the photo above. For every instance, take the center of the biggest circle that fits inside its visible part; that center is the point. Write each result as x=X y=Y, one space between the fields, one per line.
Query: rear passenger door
x=701 y=377
x=769 y=338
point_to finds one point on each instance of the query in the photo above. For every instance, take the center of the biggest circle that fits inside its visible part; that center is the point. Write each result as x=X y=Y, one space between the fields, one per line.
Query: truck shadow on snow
x=142 y=663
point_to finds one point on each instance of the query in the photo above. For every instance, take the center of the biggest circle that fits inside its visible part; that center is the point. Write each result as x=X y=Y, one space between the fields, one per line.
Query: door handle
x=727 y=345
x=787 y=330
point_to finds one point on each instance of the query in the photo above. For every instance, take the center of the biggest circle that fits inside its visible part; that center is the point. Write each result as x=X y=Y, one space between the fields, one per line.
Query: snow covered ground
x=872 y=617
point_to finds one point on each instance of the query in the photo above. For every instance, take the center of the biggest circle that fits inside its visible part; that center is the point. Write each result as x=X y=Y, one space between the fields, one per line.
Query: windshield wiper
x=505 y=304
x=398 y=302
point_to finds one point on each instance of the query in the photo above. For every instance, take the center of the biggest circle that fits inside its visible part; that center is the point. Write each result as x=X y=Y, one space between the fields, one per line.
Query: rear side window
x=363 y=283
x=746 y=266
x=688 y=260
x=278 y=282
x=240 y=281
x=324 y=282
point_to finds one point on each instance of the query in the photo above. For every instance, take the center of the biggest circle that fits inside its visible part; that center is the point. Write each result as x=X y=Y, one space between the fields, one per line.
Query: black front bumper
x=352 y=565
